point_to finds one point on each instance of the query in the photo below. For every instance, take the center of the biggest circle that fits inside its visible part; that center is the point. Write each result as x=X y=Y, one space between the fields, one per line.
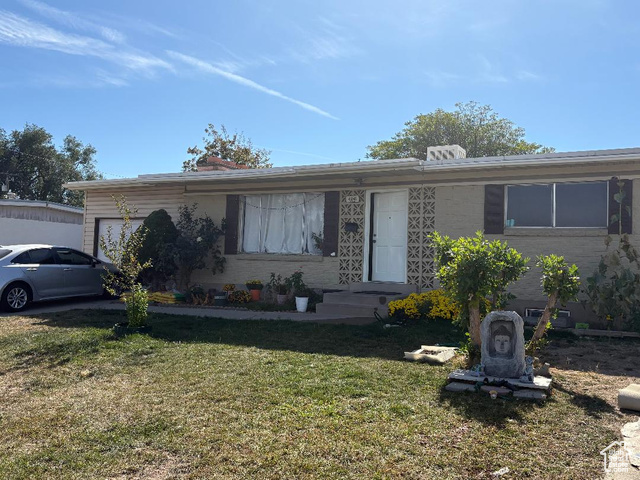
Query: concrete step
x=349 y=310
x=386 y=287
x=364 y=299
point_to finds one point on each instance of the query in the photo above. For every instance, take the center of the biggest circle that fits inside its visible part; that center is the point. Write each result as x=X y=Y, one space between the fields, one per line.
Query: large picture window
x=558 y=205
x=290 y=223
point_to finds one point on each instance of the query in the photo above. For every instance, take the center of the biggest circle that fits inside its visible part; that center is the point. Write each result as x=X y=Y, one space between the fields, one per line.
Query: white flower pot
x=301 y=303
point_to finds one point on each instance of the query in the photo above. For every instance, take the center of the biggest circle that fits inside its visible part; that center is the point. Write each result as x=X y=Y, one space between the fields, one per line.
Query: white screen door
x=389 y=237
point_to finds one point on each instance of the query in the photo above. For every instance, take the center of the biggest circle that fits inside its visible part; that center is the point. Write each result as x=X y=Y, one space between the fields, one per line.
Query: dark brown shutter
x=494 y=209
x=331 y=223
x=231 y=234
x=614 y=206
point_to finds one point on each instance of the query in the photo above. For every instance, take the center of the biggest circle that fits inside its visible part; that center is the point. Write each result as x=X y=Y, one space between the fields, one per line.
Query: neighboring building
x=368 y=221
x=30 y=221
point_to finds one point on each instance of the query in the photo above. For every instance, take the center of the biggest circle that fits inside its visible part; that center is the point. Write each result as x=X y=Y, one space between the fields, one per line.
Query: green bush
x=137 y=302
x=157 y=248
x=472 y=269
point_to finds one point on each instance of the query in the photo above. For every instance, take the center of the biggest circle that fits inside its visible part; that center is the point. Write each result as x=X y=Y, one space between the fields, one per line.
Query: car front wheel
x=15 y=298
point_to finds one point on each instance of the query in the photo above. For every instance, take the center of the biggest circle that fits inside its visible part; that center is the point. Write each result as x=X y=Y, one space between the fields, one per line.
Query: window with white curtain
x=289 y=223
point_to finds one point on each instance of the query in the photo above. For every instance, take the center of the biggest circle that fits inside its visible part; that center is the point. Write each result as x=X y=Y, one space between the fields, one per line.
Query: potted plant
x=255 y=287
x=282 y=293
x=302 y=299
x=219 y=299
x=228 y=288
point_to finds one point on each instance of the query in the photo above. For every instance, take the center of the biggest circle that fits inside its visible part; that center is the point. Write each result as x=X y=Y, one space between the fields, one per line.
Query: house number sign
x=352 y=199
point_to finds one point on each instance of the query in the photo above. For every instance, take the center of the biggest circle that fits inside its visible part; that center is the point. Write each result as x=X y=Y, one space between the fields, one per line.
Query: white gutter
x=278 y=172
x=579 y=158
x=40 y=204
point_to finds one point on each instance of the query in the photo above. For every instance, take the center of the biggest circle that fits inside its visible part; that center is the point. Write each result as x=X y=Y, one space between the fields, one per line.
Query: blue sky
x=313 y=81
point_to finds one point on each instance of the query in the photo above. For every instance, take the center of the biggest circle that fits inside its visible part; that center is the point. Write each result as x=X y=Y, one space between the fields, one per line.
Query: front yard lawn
x=212 y=398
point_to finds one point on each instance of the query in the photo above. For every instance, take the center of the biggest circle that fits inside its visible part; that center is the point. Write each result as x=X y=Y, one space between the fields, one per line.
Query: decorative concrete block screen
x=422 y=222
x=351 y=249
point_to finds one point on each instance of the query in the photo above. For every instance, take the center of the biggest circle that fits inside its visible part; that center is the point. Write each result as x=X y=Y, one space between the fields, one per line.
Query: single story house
x=32 y=221
x=348 y=223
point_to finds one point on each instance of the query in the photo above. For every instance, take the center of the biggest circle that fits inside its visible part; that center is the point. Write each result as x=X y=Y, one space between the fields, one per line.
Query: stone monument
x=503 y=345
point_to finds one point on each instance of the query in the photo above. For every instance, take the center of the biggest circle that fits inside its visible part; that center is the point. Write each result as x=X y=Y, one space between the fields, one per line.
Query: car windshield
x=4 y=252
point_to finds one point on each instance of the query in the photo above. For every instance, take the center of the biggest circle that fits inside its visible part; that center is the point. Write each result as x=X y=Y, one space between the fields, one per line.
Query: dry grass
x=211 y=398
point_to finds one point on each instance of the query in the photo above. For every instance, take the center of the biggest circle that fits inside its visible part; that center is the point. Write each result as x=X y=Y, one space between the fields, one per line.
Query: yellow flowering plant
x=424 y=306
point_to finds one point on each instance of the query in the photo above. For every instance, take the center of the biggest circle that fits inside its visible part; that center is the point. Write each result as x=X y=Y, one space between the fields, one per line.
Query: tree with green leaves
x=235 y=148
x=473 y=269
x=36 y=169
x=476 y=128
x=560 y=283
x=123 y=251
x=196 y=244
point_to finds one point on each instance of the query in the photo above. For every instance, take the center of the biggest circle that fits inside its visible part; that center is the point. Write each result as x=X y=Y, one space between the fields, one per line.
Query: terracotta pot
x=255 y=295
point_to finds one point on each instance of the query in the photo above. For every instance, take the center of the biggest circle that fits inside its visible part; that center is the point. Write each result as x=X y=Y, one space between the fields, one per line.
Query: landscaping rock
x=503 y=344
x=460 y=387
x=631 y=434
x=629 y=398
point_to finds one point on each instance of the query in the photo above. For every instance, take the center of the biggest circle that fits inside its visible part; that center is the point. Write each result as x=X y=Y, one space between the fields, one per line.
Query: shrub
x=229 y=287
x=157 y=248
x=560 y=283
x=613 y=290
x=137 y=303
x=197 y=242
x=424 y=306
x=471 y=269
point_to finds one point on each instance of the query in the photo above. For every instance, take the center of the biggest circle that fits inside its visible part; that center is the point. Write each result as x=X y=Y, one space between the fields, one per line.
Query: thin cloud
x=212 y=69
x=74 y=20
x=19 y=31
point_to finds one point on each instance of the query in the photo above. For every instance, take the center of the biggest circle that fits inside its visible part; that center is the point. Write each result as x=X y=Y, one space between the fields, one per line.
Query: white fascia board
x=250 y=174
x=527 y=161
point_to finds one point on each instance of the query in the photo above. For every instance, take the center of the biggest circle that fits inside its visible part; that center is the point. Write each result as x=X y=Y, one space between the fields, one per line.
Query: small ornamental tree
x=560 y=283
x=197 y=242
x=123 y=251
x=471 y=269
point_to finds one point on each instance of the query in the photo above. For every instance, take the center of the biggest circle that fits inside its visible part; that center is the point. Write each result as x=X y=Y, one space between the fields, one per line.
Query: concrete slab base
x=431 y=354
x=530 y=394
x=629 y=397
x=539 y=383
x=502 y=391
x=460 y=387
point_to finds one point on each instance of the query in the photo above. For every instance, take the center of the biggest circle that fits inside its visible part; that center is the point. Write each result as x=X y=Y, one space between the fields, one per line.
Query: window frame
x=553 y=205
x=241 y=226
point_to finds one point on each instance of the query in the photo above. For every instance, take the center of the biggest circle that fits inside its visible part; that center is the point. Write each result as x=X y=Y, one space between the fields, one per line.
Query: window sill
x=278 y=257
x=554 y=232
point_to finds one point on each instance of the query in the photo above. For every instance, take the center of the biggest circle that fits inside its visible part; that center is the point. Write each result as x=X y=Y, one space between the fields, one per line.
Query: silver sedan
x=31 y=273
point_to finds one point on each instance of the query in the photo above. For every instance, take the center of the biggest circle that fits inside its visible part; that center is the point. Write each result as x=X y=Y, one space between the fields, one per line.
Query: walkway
x=233 y=314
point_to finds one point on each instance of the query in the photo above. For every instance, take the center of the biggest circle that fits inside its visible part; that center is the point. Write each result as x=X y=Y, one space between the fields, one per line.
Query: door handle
x=67 y=269
x=32 y=269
